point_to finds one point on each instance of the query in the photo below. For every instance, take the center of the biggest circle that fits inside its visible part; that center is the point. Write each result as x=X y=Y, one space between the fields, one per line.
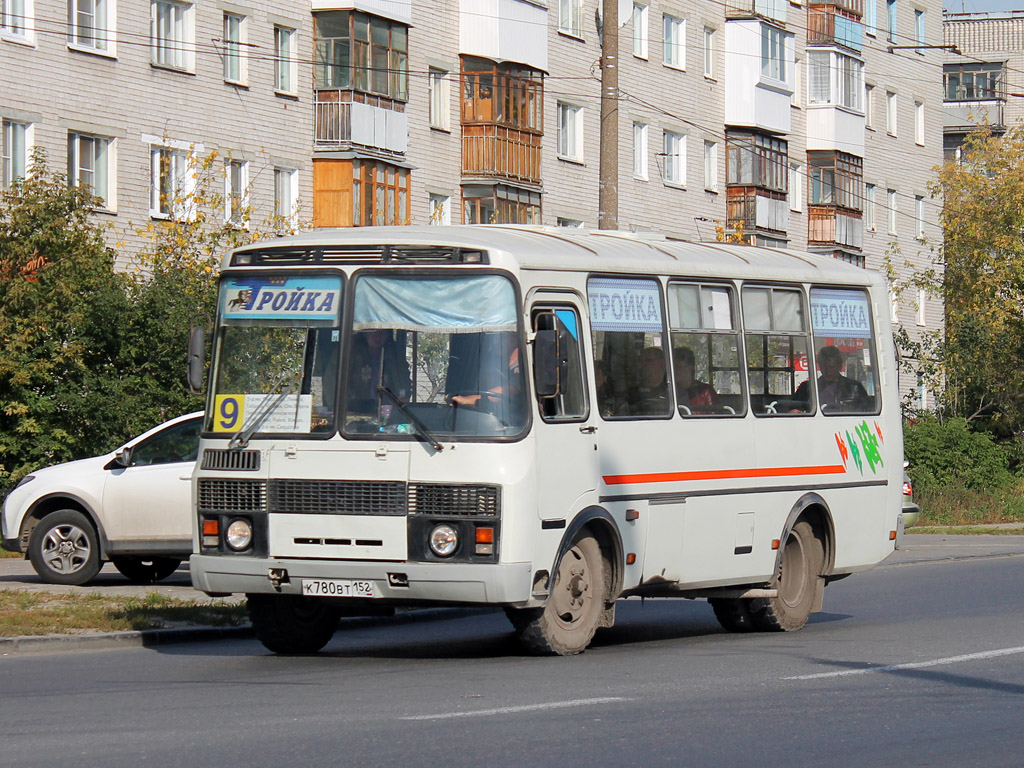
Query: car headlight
x=444 y=540
x=24 y=480
x=239 y=535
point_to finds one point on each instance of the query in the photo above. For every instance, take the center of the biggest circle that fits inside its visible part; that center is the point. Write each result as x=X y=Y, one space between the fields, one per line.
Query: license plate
x=338 y=588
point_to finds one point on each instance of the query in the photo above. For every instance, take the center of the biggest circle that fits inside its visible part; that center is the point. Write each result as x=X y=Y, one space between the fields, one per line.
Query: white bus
x=541 y=419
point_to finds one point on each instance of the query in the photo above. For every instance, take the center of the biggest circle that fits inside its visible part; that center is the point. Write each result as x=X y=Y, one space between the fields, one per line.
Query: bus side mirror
x=196 y=358
x=550 y=362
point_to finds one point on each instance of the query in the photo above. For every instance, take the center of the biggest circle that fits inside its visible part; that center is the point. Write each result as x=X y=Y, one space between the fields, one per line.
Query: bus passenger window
x=844 y=351
x=570 y=404
x=705 y=350
x=777 y=346
x=628 y=334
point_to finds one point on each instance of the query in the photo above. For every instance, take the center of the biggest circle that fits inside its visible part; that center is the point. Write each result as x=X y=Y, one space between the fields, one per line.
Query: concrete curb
x=149 y=638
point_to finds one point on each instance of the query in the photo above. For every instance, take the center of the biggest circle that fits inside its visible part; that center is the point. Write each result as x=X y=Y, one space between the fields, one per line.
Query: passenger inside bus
x=693 y=394
x=651 y=396
x=378 y=359
x=836 y=392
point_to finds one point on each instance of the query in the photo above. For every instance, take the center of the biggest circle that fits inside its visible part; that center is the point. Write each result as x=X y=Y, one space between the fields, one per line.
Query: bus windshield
x=434 y=353
x=277 y=356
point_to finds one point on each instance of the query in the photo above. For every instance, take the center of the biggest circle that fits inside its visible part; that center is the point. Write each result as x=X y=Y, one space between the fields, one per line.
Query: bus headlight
x=239 y=535
x=444 y=540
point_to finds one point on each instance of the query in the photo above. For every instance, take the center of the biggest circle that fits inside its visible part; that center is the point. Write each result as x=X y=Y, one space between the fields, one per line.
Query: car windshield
x=277 y=356
x=436 y=354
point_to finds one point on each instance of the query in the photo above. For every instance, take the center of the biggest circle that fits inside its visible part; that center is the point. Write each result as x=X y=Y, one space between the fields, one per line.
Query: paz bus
x=542 y=419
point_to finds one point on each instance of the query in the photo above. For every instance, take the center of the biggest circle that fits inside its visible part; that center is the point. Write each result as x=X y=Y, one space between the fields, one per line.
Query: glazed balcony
x=767 y=9
x=756 y=209
x=829 y=225
x=829 y=25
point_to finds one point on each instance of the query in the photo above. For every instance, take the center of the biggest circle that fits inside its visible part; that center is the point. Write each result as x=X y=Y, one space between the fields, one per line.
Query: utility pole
x=608 y=195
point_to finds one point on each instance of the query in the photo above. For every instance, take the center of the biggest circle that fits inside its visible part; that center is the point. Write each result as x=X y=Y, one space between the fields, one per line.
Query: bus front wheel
x=292 y=624
x=803 y=557
x=567 y=622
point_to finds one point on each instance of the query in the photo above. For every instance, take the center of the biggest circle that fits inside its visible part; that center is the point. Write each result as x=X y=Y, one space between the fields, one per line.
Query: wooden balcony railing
x=756 y=209
x=851 y=7
x=827 y=26
x=496 y=152
x=829 y=225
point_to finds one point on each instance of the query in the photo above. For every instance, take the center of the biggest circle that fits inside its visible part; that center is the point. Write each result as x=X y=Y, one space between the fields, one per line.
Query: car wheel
x=64 y=548
x=146 y=570
x=293 y=624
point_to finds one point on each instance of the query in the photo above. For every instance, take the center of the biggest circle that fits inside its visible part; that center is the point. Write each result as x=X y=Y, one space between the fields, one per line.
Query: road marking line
x=521 y=708
x=913 y=665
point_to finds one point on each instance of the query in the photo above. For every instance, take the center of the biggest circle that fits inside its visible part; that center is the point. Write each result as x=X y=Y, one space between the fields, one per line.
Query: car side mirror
x=196 y=358
x=122 y=460
x=550 y=362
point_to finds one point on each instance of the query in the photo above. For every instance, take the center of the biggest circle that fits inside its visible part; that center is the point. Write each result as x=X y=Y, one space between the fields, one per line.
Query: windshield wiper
x=422 y=432
x=241 y=438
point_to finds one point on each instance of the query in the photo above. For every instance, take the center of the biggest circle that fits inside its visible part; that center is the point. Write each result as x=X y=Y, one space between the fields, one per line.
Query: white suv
x=131 y=506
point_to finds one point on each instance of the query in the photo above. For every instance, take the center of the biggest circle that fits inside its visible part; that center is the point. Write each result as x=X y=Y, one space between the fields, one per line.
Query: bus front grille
x=439 y=500
x=232 y=495
x=337 y=497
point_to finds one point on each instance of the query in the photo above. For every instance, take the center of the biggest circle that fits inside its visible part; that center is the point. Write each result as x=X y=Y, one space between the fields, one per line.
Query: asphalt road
x=918 y=663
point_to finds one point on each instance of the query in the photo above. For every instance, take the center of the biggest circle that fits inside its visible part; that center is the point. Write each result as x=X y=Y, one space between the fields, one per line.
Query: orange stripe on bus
x=723 y=474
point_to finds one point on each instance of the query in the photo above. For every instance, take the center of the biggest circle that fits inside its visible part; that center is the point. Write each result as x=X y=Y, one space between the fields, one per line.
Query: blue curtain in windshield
x=439 y=304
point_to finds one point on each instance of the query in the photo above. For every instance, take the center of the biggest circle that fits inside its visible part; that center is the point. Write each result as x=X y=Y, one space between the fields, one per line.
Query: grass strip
x=47 y=613
x=966 y=530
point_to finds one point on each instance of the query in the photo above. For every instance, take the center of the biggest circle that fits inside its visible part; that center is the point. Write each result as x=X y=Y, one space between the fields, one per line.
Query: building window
x=870 y=17
x=922 y=301
x=570 y=132
x=169 y=185
x=568 y=223
x=756 y=160
x=675 y=41
x=919 y=26
x=286 y=193
x=711 y=166
x=88 y=24
x=835 y=78
x=15 y=16
x=172 y=34
x=919 y=216
x=570 y=17
x=285 y=63
x=894 y=304
x=836 y=179
x=234 y=38
x=236 y=186
x=675 y=158
x=440 y=209
x=380 y=194
x=890 y=205
x=709 y=52
x=506 y=94
x=16 y=140
x=796 y=187
x=919 y=123
x=89 y=165
x=639 y=151
x=890 y=20
x=890 y=113
x=773 y=53
x=869 y=107
x=499 y=204
x=869 y=207
x=972 y=82
x=440 y=98
x=640 y=30
x=361 y=52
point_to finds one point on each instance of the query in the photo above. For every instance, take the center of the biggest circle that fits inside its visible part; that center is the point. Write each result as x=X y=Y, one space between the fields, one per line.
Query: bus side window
x=570 y=404
x=844 y=351
x=778 y=351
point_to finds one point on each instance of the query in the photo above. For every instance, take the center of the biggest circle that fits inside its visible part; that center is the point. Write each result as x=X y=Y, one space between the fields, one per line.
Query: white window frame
x=236 y=201
x=674 y=41
x=286 y=195
x=674 y=152
x=172 y=35
x=96 y=36
x=286 y=70
x=796 y=187
x=891 y=211
x=570 y=17
x=891 y=20
x=570 y=132
x=16 y=139
x=773 y=54
x=922 y=304
x=234 y=41
x=870 y=17
x=919 y=123
x=565 y=223
x=180 y=181
x=17 y=21
x=641 y=37
x=711 y=166
x=440 y=207
x=640 y=151
x=869 y=106
x=919 y=217
x=709 y=52
x=835 y=79
x=439 y=87
x=891 y=122
x=869 y=208
x=894 y=304
x=92 y=154
x=919 y=27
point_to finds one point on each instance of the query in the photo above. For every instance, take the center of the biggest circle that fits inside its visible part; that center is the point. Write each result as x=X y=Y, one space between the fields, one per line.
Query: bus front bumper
x=393 y=582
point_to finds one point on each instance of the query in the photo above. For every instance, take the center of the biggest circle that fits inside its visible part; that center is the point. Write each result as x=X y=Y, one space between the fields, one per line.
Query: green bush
x=948 y=455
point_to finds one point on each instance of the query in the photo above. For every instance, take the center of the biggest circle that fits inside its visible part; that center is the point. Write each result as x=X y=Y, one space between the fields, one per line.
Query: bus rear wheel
x=292 y=624
x=733 y=613
x=567 y=622
x=803 y=557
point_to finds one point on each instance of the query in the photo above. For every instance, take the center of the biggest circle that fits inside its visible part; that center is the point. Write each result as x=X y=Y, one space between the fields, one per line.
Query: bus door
x=566 y=430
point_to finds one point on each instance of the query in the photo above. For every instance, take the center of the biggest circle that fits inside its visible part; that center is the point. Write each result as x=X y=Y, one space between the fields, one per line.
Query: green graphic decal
x=855 y=453
x=869 y=442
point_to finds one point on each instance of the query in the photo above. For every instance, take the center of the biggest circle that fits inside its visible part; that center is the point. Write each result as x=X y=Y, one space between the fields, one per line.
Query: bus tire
x=803 y=557
x=733 y=613
x=292 y=624
x=567 y=622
